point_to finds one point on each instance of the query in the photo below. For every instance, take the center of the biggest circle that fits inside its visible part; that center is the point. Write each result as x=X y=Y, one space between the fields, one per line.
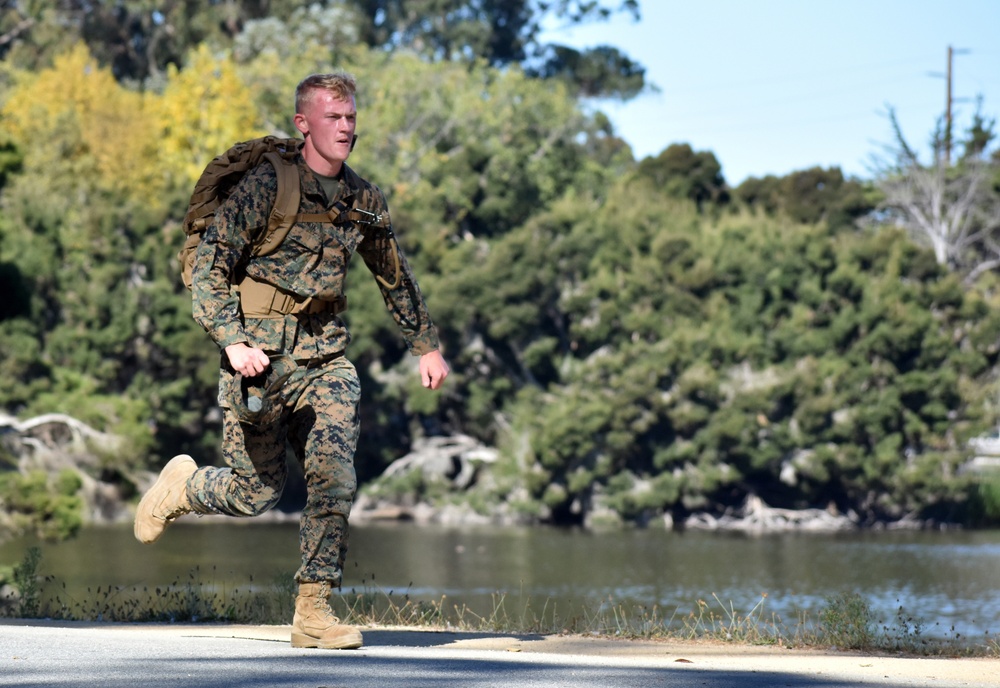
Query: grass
x=846 y=621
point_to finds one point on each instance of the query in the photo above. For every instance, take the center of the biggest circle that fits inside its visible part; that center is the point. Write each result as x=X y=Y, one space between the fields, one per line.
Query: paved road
x=54 y=655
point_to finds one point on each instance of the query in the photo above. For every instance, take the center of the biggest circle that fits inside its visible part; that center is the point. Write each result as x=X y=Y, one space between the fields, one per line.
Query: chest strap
x=341 y=212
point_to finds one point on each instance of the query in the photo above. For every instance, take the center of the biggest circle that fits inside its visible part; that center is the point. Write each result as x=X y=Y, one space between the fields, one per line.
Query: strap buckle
x=368 y=217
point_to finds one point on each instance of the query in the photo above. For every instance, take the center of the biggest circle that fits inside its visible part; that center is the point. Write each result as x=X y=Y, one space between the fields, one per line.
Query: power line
x=734 y=85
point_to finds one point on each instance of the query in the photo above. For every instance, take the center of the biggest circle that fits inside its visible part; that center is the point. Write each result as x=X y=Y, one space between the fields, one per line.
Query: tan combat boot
x=315 y=625
x=166 y=500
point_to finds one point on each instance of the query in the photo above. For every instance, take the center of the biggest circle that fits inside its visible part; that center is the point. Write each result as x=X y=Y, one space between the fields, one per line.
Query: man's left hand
x=433 y=369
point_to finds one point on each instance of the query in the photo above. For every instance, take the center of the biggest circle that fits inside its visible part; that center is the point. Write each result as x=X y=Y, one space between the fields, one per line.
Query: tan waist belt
x=263 y=300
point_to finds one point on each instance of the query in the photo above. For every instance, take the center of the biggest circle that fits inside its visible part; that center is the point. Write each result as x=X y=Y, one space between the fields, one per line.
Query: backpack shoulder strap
x=285 y=214
x=286 y=204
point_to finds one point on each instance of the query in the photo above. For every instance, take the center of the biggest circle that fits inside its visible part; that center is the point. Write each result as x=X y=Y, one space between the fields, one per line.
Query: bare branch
x=984 y=266
x=951 y=209
x=15 y=33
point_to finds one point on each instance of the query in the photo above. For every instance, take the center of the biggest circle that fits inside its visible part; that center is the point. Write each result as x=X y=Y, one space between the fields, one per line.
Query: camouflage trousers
x=320 y=422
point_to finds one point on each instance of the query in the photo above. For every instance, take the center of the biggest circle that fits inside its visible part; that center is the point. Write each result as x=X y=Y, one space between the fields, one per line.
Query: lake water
x=945 y=580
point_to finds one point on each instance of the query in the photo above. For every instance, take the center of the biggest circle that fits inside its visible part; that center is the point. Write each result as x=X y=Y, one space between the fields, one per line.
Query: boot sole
x=351 y=642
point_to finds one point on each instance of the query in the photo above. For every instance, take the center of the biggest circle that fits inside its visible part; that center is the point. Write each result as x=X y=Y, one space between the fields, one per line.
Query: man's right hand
x=247 y=360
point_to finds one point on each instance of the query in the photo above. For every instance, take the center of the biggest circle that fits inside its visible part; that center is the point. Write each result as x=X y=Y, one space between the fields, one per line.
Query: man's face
x=328 y=124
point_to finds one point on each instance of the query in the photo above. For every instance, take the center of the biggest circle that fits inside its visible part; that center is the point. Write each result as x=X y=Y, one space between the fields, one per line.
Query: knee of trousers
x=214 y=490
x=252 y=498
x=260 y=504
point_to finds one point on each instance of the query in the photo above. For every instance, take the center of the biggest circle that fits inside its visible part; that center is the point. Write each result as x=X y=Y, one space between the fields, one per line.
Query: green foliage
x=599 y=72
x=847 y=621
x=985 y=499
x=682 y=173
x=23 y=371
x=98 y=326
x=11 y=161
x=810 y=196
x=47 y=505
x=621 y=330
x=505 y=33
x=25 y=579
x=138 y=42
x=782 y=338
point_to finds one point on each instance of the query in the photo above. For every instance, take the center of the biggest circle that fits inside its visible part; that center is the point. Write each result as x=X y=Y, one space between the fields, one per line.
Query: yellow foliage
x=204 y=110
x=75 y=121
x=74 y=117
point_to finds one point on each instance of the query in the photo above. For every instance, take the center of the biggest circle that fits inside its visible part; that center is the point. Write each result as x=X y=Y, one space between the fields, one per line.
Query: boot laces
x=178 y=510
x=323 y=601
x=175 y=513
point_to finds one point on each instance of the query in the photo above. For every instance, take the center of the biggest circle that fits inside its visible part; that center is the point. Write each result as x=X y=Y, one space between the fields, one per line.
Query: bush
x=984 y=501
x=47 y=505
x=847 y=621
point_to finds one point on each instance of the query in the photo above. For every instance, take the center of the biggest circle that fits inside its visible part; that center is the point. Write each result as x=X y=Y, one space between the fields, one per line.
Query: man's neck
x=318 y=164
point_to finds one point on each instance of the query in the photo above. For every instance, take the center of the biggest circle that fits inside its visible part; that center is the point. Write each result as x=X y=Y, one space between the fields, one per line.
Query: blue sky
x=773 y=86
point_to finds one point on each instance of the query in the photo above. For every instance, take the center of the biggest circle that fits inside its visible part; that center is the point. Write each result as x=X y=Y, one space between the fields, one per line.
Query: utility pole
x=947 y=108
x=947 y=112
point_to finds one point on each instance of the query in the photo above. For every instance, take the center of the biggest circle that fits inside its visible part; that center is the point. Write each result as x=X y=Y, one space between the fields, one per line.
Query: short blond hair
x=340 y=84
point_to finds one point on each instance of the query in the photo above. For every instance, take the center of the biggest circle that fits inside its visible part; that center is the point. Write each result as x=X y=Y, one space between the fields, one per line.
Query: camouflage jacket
x=312 y=261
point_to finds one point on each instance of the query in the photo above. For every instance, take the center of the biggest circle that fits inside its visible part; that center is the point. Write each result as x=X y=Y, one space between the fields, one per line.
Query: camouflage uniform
x=320 y=416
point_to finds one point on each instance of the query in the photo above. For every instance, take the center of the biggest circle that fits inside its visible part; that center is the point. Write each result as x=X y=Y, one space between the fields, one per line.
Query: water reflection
x=949 y=579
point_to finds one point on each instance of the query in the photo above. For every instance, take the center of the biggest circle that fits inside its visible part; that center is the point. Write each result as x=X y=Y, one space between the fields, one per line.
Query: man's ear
x=300 y=123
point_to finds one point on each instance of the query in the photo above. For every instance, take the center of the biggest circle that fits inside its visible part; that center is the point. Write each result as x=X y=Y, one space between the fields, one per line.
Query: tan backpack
x=218 y=181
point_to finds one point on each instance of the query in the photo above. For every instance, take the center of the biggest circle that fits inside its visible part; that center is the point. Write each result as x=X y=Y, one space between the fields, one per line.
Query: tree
x=96 y=320
x=621 y=347
x=201 y=112
x=809 y=196
x=135 y=39
x=90 y=125
x=31 y=33
x=600 y=72
x=502 y=32
x=683 y=173
x=139 y=40
x=953 y=209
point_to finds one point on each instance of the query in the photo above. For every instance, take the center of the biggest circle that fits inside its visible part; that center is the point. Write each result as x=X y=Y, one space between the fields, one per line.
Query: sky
x=775 y=86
